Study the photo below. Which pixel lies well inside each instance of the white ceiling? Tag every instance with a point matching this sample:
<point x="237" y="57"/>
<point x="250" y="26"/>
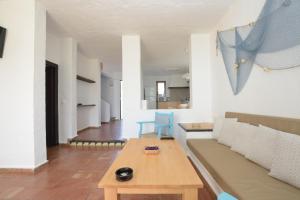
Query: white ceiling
<point x="164" y="27"/>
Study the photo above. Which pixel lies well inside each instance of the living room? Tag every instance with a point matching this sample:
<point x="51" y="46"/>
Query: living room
<point x="230" y="89"/>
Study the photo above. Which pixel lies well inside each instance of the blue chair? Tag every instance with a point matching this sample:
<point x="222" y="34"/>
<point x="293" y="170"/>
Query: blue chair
<point x="163" y="124"/>
<point x="226" y="196"/>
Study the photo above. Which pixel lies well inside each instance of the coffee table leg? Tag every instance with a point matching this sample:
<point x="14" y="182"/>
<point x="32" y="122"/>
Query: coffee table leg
<point x="110" y="194"/>
<point x="190" y="194"/>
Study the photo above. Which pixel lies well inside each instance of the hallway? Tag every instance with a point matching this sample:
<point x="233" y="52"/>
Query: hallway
<point x="107" y="132"/>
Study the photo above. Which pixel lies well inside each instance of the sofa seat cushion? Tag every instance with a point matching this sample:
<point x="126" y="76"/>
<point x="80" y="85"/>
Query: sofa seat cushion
<point x="239" y="176"/>
<point x="286" y="163"/>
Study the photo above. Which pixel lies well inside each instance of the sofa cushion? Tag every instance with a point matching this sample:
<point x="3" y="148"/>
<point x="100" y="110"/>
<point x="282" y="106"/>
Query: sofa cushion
<point x="218" y="123"/>
<point x="239" y="176"/>
<point x="263" y="147"/>
<point x="242" y="141"/>
<point x="228" y="131"/>
<point x="286" y="163"/>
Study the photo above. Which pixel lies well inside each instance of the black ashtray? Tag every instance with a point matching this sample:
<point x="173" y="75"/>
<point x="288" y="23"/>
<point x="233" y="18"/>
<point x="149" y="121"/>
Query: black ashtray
<point x="124" y="174"/>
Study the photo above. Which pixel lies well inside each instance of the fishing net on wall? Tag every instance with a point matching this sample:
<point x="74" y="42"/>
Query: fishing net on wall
<point x="272" y="42"/>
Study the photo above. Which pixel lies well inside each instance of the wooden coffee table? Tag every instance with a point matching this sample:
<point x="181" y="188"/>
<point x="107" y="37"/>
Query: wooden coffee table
<point x="169" y="172"/>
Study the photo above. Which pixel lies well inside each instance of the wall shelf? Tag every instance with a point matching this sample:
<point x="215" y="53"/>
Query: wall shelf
<point x="85" y="105"/>
<point x="81" y="78"/>
<point x="184" y="87"/>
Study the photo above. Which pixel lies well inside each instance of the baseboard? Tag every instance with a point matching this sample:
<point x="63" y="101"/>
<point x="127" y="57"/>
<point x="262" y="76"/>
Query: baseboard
<point x="24" y="170"/>
<point x="83" y="129"/>
<point x="113" y="119"/>
<point x="40" y="166"/>
<point x="16" y="170"/>
<point x="89" y="127"/>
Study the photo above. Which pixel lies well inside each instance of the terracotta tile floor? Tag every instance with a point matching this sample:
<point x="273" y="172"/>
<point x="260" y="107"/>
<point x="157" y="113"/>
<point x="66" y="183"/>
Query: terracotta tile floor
<point x="71" y="174"/>
<point x="110" y="131"/>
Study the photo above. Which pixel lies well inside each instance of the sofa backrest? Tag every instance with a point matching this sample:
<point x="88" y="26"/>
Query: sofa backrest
<point x="288" y="125"/>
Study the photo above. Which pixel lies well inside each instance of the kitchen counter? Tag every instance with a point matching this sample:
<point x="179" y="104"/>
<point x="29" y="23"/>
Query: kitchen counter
<point x="172" y="105"/>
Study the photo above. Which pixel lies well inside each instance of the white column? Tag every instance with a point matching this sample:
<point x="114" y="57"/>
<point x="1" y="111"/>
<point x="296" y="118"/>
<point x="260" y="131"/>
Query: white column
<point x="22" y="78"/>
<point x="131" y="69"/>
<point x="39" y="85"/>
<point x="68" y="88"/>
<point x="200" y="72"/>
<point x="95" y="93"/>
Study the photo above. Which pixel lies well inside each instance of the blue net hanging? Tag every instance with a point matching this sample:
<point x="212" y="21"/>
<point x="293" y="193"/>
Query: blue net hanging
<point x="272" y="42"/>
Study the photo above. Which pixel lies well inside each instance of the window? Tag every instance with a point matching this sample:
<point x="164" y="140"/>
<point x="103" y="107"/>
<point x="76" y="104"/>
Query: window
<point x="160" y="92"/>
<point x="161" y="88"/>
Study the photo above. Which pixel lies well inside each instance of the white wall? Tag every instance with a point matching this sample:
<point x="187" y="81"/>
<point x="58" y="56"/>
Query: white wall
<point x="54" y="44"/>
<point x="105" y="111"/>
<point x="22" y="77"/>
<point x="116" y="111"/>
<point x="88" y="93"/>
<point x="112" y="74"/>
<point x="53" y="47"/>
<point x="131" y="68"/>
<point x="63" y="51"/>
<point x="269" y="93"/>
<point x="68" y="90"/>
<point x="39" y="85"/>
<point x="200" y="75"/>
<point x="200" y="82"/>
<point x="149" y="84"/>
<point x="111" y="93"/>
<point x="172" y="80"/>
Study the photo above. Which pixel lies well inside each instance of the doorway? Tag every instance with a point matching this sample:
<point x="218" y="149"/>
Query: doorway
<point x="51" y="104"/>
<point x="160" y="92"/>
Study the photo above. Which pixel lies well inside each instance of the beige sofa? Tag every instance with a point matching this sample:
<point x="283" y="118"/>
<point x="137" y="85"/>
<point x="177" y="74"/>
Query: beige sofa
<point x="239" y="176"/>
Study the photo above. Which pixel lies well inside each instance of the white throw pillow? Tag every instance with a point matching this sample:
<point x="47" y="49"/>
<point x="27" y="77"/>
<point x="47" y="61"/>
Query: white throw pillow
<point x="228" y="131"/>
<point x="218" y="124"/>
<point x="263" y="146"/>
<point x="242" y="141"/>
<point x="286" y="163"/>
